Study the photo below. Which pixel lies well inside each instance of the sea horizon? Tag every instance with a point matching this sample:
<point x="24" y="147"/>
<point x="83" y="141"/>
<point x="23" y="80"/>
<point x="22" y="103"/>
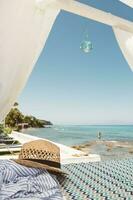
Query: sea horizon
<point x="79" y="134"/>
<point x="69" y="124"/>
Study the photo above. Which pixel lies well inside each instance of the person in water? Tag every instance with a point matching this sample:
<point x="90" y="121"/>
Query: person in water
<point x="99" y="135"/>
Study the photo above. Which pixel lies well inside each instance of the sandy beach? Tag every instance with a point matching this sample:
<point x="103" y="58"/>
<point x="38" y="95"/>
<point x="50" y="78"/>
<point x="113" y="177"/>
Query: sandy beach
<point x="107" y="149"/>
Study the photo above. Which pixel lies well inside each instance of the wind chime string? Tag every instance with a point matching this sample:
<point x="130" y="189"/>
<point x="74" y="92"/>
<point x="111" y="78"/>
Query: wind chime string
<point x="86" y="45"/>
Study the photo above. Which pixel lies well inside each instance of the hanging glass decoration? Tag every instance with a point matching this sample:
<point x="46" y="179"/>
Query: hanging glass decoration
<point x="86" y="45"/>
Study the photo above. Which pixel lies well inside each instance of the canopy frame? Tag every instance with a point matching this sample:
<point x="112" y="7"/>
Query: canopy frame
<point x="95" y="14"/>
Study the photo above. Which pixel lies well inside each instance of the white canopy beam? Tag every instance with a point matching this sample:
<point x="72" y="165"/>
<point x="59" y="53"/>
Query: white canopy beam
<point x="95" y="14"/>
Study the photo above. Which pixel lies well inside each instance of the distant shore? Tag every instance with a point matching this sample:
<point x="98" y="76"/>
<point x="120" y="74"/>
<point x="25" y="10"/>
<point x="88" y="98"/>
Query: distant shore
<point x="107" y="149"/>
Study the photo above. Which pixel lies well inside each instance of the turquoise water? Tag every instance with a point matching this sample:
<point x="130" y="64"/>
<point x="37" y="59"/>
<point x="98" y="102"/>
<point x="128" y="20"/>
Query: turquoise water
<point x="78" y="134"/>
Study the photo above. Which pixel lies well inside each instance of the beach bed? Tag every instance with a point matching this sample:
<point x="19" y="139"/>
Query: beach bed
<point x="89" y="178"/>
<point x="10" y="149"/>
<point x="107" y="180"/>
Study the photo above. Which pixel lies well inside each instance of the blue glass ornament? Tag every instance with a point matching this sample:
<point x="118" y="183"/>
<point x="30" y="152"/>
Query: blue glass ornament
<point x="86" y="45"/>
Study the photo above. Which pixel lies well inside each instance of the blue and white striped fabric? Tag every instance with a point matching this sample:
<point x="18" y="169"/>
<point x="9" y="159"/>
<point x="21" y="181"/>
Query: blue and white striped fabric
<point x="20" y="182"/>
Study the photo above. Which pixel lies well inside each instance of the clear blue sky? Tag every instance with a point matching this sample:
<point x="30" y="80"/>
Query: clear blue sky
<point x="70" y="87"/>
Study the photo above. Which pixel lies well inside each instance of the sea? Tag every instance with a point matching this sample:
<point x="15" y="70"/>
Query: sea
<point x="80" y="134"/>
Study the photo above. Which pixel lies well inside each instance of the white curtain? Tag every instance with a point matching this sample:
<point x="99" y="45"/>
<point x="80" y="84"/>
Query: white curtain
<point x="125" y="41"/>
<point x="24" y="28"/>
<point x="128" y="2"/>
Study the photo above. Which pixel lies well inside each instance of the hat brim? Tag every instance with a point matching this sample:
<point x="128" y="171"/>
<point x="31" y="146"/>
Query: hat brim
<point x="32" y="164"/>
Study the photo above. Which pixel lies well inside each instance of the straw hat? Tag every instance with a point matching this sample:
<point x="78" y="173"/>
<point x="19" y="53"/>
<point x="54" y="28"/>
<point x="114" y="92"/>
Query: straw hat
<point x="40" y="154"/>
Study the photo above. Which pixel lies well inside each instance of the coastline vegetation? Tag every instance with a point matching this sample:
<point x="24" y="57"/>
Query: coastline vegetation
<point x="16" y="120"/>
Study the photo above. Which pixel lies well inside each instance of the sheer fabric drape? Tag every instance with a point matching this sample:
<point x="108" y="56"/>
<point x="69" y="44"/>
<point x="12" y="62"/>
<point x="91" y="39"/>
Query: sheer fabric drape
<point x="24" y="28"/>
<point x="125" y="41"/>
<point x="128" y="2"/>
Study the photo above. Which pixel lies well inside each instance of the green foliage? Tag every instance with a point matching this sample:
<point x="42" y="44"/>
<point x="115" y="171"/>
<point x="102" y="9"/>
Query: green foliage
<point x="13" y="118"/>
<point x="33" y="122"/>
<point x="15" y="104"/>
<point x="1" y="128"/>
<point x="7" y="130"/>
<point x="44" y="122"/>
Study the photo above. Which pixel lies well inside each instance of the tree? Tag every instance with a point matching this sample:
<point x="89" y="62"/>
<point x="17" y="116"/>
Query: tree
<point x="13" y="118"/>
<point x="1" y="128"/>
<point x="33" y="122"/>
<point x="15" y="104"/>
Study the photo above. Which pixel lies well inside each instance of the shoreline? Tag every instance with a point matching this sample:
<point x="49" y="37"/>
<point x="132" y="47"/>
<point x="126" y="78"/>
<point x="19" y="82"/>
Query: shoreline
<point x="107" y="149"/>
<point x="95" y="150"/>
<point x="81" y="135"/>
